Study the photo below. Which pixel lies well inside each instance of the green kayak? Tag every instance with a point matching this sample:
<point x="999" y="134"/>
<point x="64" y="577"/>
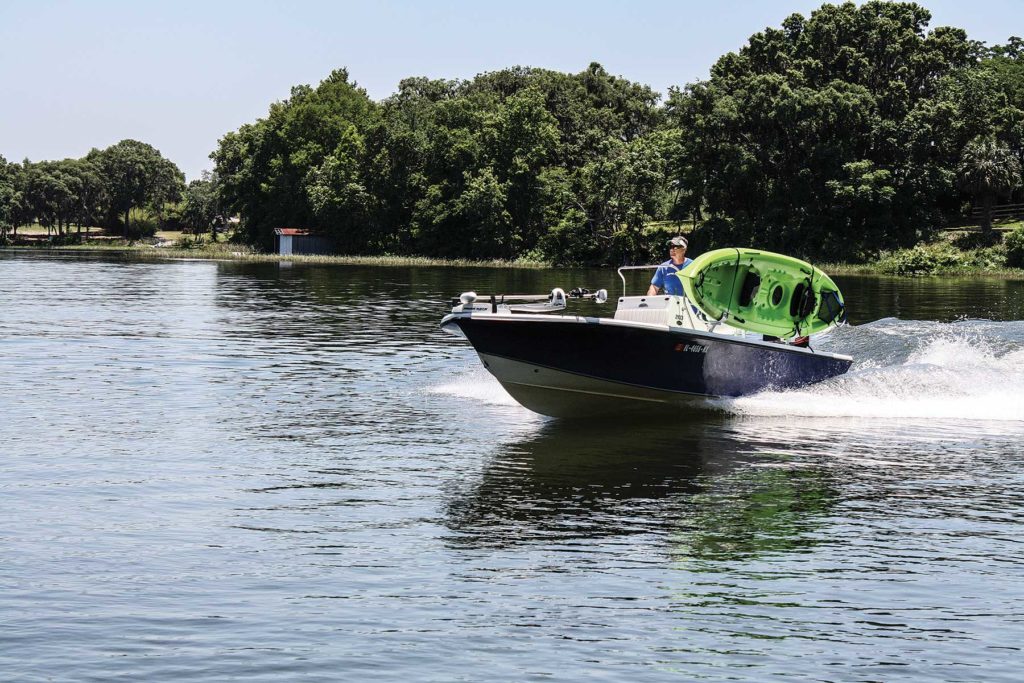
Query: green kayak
<point x="759" y="291"/>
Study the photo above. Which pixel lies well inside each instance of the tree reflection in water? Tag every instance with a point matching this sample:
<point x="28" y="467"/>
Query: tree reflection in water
<point x="693" y="484"/>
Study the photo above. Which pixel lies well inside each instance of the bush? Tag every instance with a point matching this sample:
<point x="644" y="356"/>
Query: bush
<point x="921" y="260"/>
<point x="1015" y="248"/>
<point x="186" y="242"/>
<point x="67" y="239"/>
<point x="990" y="258"/>
<point x="141" y="224"/>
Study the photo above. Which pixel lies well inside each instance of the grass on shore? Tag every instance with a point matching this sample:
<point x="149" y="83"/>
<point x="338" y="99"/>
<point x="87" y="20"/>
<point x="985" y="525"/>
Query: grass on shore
<point x="227" y="251"/>
<point x="880" y="268"/>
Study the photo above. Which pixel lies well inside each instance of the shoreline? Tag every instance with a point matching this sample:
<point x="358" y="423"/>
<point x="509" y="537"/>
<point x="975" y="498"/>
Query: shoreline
<point x="150" y="253"/>
<point x="173" y="254"/>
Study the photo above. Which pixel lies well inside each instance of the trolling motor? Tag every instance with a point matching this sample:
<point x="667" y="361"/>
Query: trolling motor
<point x="600" y="296"/>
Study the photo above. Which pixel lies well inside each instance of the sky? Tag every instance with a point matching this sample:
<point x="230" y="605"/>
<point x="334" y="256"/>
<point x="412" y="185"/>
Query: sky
<point x="78" y="75"/>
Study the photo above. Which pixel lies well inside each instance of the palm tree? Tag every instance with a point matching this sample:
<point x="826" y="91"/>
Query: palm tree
<point x="987" y="169"/>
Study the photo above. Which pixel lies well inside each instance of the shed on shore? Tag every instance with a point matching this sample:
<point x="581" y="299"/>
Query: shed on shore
<point x="288" y="241"/>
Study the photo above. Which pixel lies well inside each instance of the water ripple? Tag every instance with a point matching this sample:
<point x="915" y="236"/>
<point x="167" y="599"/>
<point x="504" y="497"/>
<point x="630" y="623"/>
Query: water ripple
<point x="218" y="470"/>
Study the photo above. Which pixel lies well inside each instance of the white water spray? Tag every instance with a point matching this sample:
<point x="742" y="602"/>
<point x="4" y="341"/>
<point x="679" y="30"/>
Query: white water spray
<point x="478" y="385"/>
<point x="970" y="370"/>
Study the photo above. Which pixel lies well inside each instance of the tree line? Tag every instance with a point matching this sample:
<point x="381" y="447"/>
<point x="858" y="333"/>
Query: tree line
<point x="102" y="189"/>
<point x="838" y="135"/>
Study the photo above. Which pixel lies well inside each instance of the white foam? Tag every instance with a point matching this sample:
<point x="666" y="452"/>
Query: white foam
<point x="962" y="370"/>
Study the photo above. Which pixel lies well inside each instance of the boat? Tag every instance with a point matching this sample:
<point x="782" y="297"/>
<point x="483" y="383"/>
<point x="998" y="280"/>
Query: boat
<point x="656" y="354"/>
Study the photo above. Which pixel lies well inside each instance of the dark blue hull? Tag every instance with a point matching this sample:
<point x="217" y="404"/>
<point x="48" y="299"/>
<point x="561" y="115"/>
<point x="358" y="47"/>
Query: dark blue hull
<point x="598" y="357"/>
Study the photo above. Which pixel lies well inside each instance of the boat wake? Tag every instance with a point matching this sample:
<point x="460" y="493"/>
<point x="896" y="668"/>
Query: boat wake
<point x="969" y="370"/>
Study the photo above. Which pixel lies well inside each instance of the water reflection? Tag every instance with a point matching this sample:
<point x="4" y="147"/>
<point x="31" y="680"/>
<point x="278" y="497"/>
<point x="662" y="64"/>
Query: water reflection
<point x="574" y="481"/>
<point x="424" y="291"/>
<point x="755" y="511"/>
<point x="692" y="482"/>
<point x="932" y="298"/>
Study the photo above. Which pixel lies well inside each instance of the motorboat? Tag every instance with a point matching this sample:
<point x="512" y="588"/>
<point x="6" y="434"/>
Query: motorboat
<point x="656" y="353"/>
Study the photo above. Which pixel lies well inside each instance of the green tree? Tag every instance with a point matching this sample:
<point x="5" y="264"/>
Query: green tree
<point x="1015" y="248"/>
<point x="989" y="168"/>
<point x="337" y="194"/>
<point x="1005" y="66"/>
<point x="282" y="170"/>
<point x="494" y="166"/>
<point x="137" y="175"/>
<point x="611" y="199"/>
<point x="202" y="211"/>
<point x="846" y="111"/>
<point x="91" y="200"/>
<point x="51" y="191"/>
<point x="20" y="208"/>
<point x="478" y="168"/>
<point x="10" y="197"/>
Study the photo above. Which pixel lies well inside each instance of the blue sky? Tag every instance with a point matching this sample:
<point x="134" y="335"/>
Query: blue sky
<point x="77" y="75"/>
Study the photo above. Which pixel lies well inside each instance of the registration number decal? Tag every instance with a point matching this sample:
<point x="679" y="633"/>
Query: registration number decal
<point x="692" y="348"/>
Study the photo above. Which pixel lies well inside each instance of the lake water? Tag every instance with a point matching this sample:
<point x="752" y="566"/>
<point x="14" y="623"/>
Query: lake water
<point x="218" y="471"/>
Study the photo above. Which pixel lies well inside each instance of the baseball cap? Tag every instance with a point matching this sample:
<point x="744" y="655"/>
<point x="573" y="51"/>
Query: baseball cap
<point x="678" y="241"/>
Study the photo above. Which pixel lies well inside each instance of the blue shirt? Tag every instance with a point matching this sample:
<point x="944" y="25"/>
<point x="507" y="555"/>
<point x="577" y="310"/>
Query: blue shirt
<point x="664" y="278"/>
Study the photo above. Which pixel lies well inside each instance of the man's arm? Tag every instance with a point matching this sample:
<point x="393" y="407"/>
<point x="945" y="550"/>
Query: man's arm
<point x="657" y="282"/>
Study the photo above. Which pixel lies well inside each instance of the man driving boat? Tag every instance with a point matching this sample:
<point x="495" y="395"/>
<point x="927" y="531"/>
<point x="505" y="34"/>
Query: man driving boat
<point x="664" y="278"/>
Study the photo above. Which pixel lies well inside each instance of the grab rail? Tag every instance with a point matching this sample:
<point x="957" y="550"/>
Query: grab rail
<point x="623" y="277"/>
